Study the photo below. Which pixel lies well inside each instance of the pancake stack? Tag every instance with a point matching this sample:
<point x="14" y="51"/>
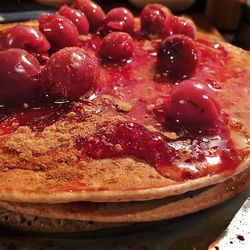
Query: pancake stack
<point x="89" y="216"/>
<point x="47" y="186"/>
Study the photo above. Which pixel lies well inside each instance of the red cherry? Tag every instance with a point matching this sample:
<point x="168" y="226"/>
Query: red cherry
<point x="24" y="37"/>
<point x="192" y="102"/>
<point x="153" y="17"/>
<point x="118" y="19"/>
<point x="19" y="73"/>
<point x="59" y="30"/>
<point x="178" y="25"/>
<point x="117" y="47"/>
<point x="69" y="73"/>
<point x="93" y="12"/>
<point x="77" y="17"/>
<point x="178" y="56"/>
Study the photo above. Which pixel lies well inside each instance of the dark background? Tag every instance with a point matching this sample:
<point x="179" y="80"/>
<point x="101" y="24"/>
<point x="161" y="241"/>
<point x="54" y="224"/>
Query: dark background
<point x="21" y="10"/>
<point x="29" y="5"/>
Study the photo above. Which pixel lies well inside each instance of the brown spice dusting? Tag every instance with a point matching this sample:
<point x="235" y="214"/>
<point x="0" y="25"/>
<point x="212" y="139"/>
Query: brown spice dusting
<point x="152" y="129"/>
<point x="158" y="102"/>
<point x="107" y="99"/>
<point x="171" y="135"/>
<point x="185" y="154"/>
<point x="147" y="45"/>
<point x="122" y="106"/>
<point x="26" y="149"/>
<point x="150" y="107"/>
<point x="63" y="174"/>
<point x="118" y="148"/>
<point x="234" y="124"/>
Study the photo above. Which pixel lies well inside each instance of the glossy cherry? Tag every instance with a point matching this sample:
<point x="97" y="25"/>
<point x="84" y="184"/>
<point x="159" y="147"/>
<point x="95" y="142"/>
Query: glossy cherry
<point x="117" y="47"/>
<point x="69" y="73"/>
<point x="93" y="12"/>
<point x="118" y="19"/>
<point x="24" y="37"/>
<point x="59" y="30"/>
<point x="77" y="17"/>
<point x="153" y="17"/>
<point x="178" y="56"/>
<point x="195" y="103"/>
<point x="20" y="72"/>
<point x="178" y="25"/>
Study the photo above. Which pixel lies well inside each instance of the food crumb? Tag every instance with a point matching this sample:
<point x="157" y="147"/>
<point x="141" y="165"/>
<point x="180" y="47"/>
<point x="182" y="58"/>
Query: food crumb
<point x="240" y="237"/>
<point x="150" y="107"/>
<point x="123" y="106"/>
<point x="25" y="105"/>
<point x="118" y="148"/>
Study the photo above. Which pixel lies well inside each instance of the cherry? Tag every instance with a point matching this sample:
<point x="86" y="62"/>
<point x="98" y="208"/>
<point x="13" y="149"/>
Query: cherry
<point x="118" y="19"/>
<point x="178" y="56"/>
<point x="24" y="37"/>
<point x="93" y="12"/>
<point x="69" y="73"/>
<point x="153" y="17"/>
<point x="117" y="47"/>
<point x="178" y="25"/>
<point x="77" y="17"/>
<point x="193" y="102"/>
<point x="19" y="73"/>
<point x="59" y="30"/>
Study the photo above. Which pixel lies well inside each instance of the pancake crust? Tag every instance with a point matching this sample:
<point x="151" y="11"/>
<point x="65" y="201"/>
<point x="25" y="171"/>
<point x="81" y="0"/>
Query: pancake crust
<point x="166" y="208"/>
<point x="48" y="170"/>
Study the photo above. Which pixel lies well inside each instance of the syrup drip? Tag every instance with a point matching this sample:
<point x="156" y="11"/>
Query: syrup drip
<point x="35" y="118"/>
<point x="187" y="157"/>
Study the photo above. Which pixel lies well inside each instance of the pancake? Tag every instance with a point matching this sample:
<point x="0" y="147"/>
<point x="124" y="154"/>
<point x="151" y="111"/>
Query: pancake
<point x="143" y="211"/>
<point x="45" y="166"/>
<point x="27" y="223"/>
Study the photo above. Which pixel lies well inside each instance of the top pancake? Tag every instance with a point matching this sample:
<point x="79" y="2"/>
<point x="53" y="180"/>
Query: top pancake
<point x="46" y="167"/>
